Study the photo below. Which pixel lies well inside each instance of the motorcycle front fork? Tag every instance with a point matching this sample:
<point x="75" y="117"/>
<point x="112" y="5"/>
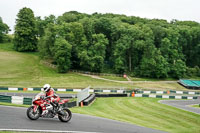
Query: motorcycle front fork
<point x="35" y="108"/>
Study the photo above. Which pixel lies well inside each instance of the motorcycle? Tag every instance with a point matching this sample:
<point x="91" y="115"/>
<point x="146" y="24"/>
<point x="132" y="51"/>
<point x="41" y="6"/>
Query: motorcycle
<point x="42" y="107"/>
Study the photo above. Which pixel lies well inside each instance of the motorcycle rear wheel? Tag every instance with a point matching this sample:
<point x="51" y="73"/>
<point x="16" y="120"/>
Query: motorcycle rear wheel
<point x="67" y="117"/>
<point x="32" y="115"/>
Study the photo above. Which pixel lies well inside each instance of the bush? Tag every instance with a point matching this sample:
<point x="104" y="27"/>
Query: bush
<point x="193" y="72"/>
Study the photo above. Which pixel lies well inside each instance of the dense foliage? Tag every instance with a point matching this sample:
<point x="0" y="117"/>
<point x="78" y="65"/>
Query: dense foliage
<point x="3" y="31"/>
<point x="25" y="31"/>
<point x="120" y="44"/>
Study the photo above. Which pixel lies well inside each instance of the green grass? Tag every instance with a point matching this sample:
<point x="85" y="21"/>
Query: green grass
<point x="151" y="79"/>
<point x="144" y="112"/>
<point x="6" y="47"/>
<point x="114" y="78"/>
<point x="196" y="106"/>
<point x="160" y="86"/>
<point x="11" y="104"/>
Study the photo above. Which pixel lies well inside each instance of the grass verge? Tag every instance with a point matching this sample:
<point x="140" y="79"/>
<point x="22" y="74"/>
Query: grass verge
<point x="196" y="106"/>
<point x="145" y="112"/>
<point x="11" y="104"/>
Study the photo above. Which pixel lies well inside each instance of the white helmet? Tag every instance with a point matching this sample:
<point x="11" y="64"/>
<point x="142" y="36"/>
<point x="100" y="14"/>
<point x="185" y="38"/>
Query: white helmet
<point x="46" y="87"/>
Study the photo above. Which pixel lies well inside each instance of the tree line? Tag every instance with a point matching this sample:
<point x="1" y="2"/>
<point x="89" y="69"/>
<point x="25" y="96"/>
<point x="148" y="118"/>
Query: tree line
<point x="4" y="29"/>
<point x="112" y="43"/>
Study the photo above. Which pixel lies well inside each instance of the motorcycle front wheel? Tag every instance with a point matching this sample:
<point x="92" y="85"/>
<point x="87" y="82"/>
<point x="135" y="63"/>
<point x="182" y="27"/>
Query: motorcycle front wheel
<point x="31" y="114"/>
<point x="67" y="115"/>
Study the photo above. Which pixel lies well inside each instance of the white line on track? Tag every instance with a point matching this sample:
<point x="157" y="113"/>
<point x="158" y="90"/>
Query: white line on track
<point x="50" y="131"/>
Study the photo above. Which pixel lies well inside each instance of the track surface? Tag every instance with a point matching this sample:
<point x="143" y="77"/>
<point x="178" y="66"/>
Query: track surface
<point x="15" y="118"/>
<point x="183" y="104"/>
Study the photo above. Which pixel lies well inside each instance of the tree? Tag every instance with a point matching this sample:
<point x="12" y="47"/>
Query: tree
<point x="47" y="42"/>
<point x="92" y="55"/>
<point x="62" y="54"/>
<point x="129" y="48"/>
<point x="194" y="50"/>
<point x="88" y="27"/>
<point x="25" y="31"/>
<point x="72" y="16"/>
<point x="178" y="69"/>
<point x="41" y="25"/>
<point x="97" y="52"/>
<point x="172" y="52"/>
<point x="124" y="47"/>
<point x="74" y="34"/>
<point x="153" y="64"/>
<point x="117" y="43"/>
<point x="3" y="30"/>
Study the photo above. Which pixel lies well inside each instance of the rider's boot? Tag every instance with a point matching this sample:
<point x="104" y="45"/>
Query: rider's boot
<point x="54" y="107"/>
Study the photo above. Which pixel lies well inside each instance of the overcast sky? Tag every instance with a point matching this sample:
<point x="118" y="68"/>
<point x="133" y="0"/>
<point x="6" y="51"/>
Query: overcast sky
<point x="161" y="9"/>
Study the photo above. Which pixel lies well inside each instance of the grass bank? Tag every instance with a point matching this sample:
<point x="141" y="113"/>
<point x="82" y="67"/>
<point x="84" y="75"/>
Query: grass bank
<point x="145" y="112"/>
<point x="25" y="70"/>
<point x="20" y="69"/>
<point x="11" y="104"/>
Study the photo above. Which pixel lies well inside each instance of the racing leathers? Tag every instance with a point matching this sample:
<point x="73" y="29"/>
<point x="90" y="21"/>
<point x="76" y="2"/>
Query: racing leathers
<point x="53" y="97"/>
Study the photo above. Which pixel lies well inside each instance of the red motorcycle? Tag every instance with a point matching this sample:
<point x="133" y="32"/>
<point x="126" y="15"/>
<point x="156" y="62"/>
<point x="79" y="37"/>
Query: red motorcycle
<point x="42" y="107"/>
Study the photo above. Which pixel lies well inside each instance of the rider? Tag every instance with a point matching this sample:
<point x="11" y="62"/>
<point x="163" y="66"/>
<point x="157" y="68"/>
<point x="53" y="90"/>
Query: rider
<point x="50" y="94"/>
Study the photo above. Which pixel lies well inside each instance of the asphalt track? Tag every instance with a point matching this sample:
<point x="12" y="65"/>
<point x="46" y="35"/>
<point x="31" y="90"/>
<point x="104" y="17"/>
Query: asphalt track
<point x="183" y="104"/>
<point x="15" y="118"/>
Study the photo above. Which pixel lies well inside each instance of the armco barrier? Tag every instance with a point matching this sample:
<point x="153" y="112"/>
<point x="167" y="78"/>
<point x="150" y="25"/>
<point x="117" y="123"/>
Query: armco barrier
<point x="17" y="100"/>
<point x="99" y="90"/>
<point x="110" y="95"/>
<point x="106" y="90"/>
<point x="26" y="101"/>
<point x="169" y="92"/>
<point x="6" y="99"/>
<point x="166" y="96"/>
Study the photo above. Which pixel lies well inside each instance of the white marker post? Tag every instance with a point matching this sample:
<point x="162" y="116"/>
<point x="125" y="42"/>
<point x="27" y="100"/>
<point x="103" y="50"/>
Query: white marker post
<point x="82" y="95"/>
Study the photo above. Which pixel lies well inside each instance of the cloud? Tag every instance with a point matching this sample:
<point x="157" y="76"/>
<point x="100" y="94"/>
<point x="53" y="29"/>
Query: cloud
<point x="163" y="9"/>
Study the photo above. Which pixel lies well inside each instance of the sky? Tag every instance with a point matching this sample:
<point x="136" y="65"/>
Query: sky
<point x="160" y="9"/>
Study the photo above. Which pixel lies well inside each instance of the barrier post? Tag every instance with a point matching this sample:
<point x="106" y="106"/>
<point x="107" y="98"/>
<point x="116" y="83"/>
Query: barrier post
<point x="168" y="92"/>
<point x="133" y="94"/>
<point x="81" y="104"/>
